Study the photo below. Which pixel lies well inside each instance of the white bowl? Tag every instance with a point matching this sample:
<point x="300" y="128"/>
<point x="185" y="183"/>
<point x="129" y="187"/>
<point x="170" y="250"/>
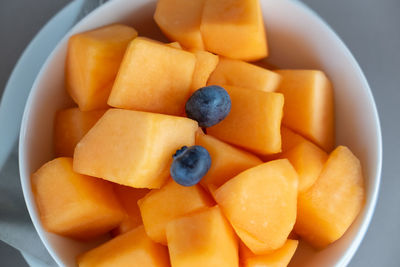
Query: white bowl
<point x="298" y="38"/>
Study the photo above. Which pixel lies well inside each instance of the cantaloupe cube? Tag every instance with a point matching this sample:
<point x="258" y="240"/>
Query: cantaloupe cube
<point x="72" y="204"/>
<point x="153" y="77"/>
<point x="175" y="45"/>
<point x="278" y="258"/>
<point x="226" y="161"/>
<point x="289" y="139"/>
<point x="128" y="198"/>
<point x="261" y="204"/>
<point x="133" y="248"/>
<point x="93" y="60"/>
<point x="205" y="65"/>
<point x="254" y="120"/>
<point x="171" y="201"/>
<point x="133" y="148"/>
<point x="309" y="106"/>
<point x="70" y="126"/>
<point x="243" y="74"/>
<point x="308" y="160"/>
<point x="202" y="239"/>
<point x="180" y="21"/>
<point x="328" y="208"/>
<point x="234" y="29"/>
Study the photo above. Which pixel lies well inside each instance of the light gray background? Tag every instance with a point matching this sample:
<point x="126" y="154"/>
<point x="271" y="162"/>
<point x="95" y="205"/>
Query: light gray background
<point x="370" y="28"/>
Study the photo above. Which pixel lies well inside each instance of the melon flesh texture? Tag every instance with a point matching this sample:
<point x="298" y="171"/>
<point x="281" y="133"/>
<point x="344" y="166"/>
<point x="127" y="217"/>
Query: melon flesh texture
<point x="329" y="207"/>
<point x="180" y="21"/>
<point x="226" y="161"/>
<point x="254" y="121"/>
<point x="308" y="160"/>
<point x="133" y="248"/>
<point x="74" y="205"/>
<point x="128" y="197"/>
<point x="93" y="60"/>
<point x="70" y="126"/>
<point x="133" y="148"/>
<point x="202" y="239"/>
<point x="242" y="74"/>
<point x="205" y="65"/>
<point x="309" y="106"/>
<point x="278" y="258"/>
<point x="175" y="45"/>
<point x="161" y="206"/>
<point x="234" y="29"/>
<point x="260" y="203"/>
<point x="153" y="77"/>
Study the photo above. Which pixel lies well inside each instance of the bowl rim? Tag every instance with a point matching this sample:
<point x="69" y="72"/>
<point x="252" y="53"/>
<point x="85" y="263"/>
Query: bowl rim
<point x="375" y="186"/>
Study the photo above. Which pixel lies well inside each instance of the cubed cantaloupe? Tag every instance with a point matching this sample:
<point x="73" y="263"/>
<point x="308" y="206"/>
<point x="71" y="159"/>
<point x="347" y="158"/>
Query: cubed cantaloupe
<point x="175" y="45"/>
<point x="277" y="258"/>
<point x="308" y="160"/>
<point x="328" y="208"/>
<point x="234" y="29"/>
<point x="180" y="21"/>
<point x="289" y="139"/>
<point x="242" y="74"/>
<point x="205" y="65"/>
<point x="72" y="204"/>
<point x="70" y="126"/>
<point x="153" y="77"/>
<point x="167" y="203"/>
<point x="93" y="60"/>
<point x="128" y="198"/>
<point x="254" y="120"/>
<point x="309" y="106"/>
<point x="133" y="148"/>
<point x="133" y="248"/>
<point x="202" y="239"/>
<point x="226" y="161"/>
<point x="261" y="204"/>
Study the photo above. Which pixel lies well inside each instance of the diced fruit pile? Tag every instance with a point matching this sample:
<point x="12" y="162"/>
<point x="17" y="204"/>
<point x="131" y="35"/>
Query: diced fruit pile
<point x="132" y="160"/>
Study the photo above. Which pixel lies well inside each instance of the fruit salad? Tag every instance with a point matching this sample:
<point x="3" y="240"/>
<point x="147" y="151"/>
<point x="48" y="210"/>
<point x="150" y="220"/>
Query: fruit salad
<point x="189" y="154"/>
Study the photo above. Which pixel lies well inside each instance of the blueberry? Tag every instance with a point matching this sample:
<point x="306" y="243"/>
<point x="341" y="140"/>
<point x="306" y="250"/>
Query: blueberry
<point x="208" y="105"/>
<point x="190" y="164"/>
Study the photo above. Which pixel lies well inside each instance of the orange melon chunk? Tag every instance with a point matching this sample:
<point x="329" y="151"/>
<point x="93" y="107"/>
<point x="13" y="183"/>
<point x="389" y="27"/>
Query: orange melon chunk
<point x="328" y="208"/>
<point x="205" y="65"/>
<point x="133" y="148"/>
<point x="308" y="160"/>
<point x="93" y="60"/>
<point x="153" y="77"/>
<point x="234" y="29"/>
<point x="133" y="248"/>
<point x="202" y="239"/>
<point x="253" y="122"/>
<point x="171" y="201"/>
<point x="180" y="21"/>
<point x="242" y="74"/>
<point x="261" y="204"/>
<point x="128" y="197"/>
<point x="70" y="126"/>
<point x="278" y="258"/>
<point x="309" y="105"/>
<point x="74" y="205"/>
<point x="226" y="161"/>
<point x="175" y="45"/>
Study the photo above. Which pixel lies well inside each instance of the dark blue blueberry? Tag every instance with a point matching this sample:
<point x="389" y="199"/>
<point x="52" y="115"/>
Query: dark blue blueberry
<point x="208" y="105"/>
<point x="190" y="164"/>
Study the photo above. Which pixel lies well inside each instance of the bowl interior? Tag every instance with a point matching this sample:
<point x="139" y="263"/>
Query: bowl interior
<point x="297" y="38"/>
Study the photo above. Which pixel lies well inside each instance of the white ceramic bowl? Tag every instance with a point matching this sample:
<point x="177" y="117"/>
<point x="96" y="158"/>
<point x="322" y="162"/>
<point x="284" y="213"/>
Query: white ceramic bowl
<point x="298" y="38"/>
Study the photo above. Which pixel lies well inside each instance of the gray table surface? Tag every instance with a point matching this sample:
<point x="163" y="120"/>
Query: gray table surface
<point x="370" y="28"/>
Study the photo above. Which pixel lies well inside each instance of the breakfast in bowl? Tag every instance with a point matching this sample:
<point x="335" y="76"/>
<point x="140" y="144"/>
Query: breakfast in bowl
<point x="187" y="154"/>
